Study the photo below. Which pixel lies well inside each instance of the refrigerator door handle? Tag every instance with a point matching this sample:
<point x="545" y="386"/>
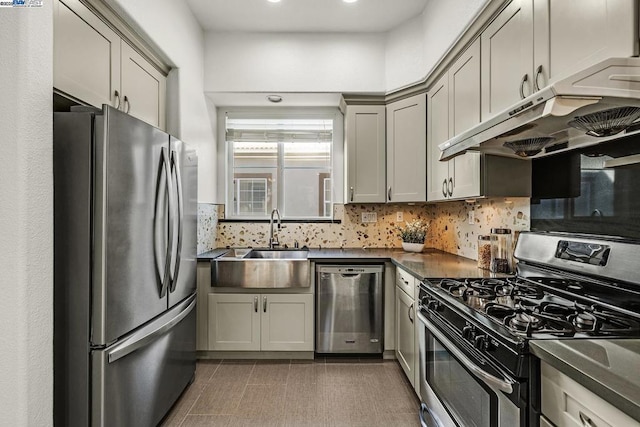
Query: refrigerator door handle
<point x="136" y="343"/>
<point x="165" y="274"/>
<point x="175" y="166"/>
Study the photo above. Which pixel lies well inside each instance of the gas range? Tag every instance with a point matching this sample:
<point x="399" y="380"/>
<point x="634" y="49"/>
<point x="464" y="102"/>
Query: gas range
<point x="565" y="287"/>
<point x="528" y="309"/>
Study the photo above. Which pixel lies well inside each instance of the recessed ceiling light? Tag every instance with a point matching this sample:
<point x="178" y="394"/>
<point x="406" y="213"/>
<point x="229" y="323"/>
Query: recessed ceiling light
<point x="274" y="98"/>
<point x="349" y="1"/>
<point x="274" y="1"/>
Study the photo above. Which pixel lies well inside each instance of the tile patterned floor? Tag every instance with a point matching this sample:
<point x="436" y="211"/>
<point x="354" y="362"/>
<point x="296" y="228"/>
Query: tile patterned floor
<point x="297" y="393"/>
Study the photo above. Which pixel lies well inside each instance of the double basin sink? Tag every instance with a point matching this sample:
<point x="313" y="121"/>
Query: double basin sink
<point x="261" y="268"/>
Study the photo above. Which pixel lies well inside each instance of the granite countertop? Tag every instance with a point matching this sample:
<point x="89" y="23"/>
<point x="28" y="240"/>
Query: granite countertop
<point x="431" y="263"/>
<point x="609" y="368"/>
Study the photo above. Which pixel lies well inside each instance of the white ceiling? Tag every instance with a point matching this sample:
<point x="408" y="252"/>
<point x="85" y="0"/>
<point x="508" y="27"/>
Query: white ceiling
<point x="304" y="15"/>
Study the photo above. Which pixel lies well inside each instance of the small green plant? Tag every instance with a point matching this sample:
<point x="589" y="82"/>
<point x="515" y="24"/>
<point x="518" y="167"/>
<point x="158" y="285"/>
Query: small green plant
<point x="413" y="231"/>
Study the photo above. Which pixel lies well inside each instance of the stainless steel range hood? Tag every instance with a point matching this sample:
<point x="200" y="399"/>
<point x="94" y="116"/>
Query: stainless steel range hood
<point x="605" y="86"/>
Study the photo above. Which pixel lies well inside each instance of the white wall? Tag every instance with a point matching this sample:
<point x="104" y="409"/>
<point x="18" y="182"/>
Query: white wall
<point x="415" y="47"/>
<point x="174" y="29"/>
<point x="294" y="62"/>
<point x="26" y="217"/>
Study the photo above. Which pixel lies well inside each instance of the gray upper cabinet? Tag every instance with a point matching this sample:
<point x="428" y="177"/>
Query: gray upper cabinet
<point x="533" y="43"/>
<point x="507" y="58"/>
<point x="365" y="149"/>
<point x="94" y="65"/>
<point x="453" y="105"/>
<point x="573" y="34"/>
<point x="406" y="150"/>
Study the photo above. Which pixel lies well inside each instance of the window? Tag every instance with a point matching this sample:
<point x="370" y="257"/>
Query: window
<point x="279" y="162"/>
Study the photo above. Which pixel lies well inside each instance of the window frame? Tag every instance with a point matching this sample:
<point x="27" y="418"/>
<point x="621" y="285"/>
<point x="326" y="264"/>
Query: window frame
<point x="225" y="157"/>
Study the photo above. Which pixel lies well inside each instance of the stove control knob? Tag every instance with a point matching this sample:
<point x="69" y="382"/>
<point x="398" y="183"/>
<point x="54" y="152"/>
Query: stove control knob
<point x="481" y="342"/>
<point x="433" y="305"/>
<point x="468" y="332"/>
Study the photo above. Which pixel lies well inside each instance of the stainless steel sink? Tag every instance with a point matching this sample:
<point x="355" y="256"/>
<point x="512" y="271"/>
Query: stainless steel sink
<point x="261" y="268"/>
<point x="277" y="254"/>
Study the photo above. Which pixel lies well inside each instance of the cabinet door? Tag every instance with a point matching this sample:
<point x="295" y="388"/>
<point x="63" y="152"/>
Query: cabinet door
<point x="464" y="113"/>
<point x="507" y="58"/>
<point x="234" y="322"/>
<point x="287" y="322"/>
<point x="437" y="133"/>
<point x="86" y="58"/>
<point x="365" y="130"/>
<point x="407" y="150"/>
<point x="143" y="88"/>
<point x="573" y="34"/>
<point x="405" y="338"/>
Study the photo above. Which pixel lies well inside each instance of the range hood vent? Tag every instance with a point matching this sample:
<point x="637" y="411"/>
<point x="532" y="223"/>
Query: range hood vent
<point x="595" y="105"/>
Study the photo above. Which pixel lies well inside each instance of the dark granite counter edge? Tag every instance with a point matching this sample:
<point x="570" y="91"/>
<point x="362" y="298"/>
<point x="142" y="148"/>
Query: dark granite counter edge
<point x="597" y="386"/>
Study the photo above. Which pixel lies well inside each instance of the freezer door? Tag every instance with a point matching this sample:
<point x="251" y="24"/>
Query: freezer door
<point x="184" y="169"/>
<point x="138" y="379"/>
<point x="131" y="230"/>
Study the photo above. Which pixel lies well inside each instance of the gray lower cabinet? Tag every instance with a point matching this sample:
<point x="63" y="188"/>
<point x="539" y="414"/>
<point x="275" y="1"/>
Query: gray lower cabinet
<point x="566" y="403"/>
<point x="260" y="322"/>
<point x="406" y="348"/>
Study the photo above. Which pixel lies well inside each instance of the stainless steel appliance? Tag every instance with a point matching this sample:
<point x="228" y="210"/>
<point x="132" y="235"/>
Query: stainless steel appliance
<point x="349" y="309"/>
<point x="125" y="259"/>
<point x="475" y="365"/>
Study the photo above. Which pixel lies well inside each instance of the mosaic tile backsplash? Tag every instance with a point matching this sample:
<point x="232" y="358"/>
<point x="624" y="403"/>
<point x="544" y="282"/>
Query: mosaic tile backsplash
<point x="207" y="223"/>
<point x="450" y="229"/>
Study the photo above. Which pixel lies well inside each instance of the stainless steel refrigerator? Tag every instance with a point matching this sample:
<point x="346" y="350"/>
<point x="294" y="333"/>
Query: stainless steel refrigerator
<point x="125" y="213"/>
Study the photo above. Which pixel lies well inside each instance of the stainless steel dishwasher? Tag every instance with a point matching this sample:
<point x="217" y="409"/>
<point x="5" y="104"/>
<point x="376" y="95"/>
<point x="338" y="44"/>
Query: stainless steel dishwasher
<point x="349" y="309"/>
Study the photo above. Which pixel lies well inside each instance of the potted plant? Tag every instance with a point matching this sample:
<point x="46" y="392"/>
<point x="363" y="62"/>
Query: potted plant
<point x="413" y="235"/>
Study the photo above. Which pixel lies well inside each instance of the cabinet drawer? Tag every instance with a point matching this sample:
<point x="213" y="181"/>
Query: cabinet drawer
<point x="565" y="402"/>
<point x="405" y="281"/>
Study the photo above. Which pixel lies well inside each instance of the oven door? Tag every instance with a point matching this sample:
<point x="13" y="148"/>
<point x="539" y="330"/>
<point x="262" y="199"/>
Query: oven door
<point x="458" y="390"/>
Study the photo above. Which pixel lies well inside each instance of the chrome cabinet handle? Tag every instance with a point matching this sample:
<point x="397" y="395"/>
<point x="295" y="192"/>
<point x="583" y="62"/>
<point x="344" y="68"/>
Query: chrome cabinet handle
<point x="444" y="187"/>
<point x="116" y="94"/>
<point x="450" y="187"/>
<point x="535" y="79"/>
<point x="264" y="304"/>
<point x="585" y="420"/>
<point x="410" y="310"/>
<point x="351" y="192"/>
<point x="389" y="193"/>
<point x="126" y="104"/>
<point x="255" y="304"/>
<point x="525" y="78"/>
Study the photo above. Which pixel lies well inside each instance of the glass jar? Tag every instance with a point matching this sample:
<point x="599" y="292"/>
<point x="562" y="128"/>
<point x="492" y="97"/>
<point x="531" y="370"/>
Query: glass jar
<point x="501" y="247"/>
<point x="484" y="252"/>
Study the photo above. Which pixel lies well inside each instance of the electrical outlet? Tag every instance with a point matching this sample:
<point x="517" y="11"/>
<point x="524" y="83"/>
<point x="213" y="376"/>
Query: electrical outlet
<point x="368" y="217"/>
<point x="472" y="216"/>
<point x="399" y="216"/>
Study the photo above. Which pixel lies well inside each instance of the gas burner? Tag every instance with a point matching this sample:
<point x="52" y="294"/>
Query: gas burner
<point x="454" y="287"/>
<point x="499" y="311"/>
<point x="524" y="322"/>
<point x="584" y="321"/>
<point x="556" y="309"/>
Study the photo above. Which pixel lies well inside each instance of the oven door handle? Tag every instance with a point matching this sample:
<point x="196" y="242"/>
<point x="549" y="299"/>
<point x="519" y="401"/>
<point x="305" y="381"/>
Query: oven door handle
<point x="426" y="417"/>
<point x="504" y="385"/>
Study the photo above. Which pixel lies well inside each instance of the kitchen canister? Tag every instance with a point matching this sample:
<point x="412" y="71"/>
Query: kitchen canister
<point x="501" y="247"/>
<point x="484" y="252"/>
